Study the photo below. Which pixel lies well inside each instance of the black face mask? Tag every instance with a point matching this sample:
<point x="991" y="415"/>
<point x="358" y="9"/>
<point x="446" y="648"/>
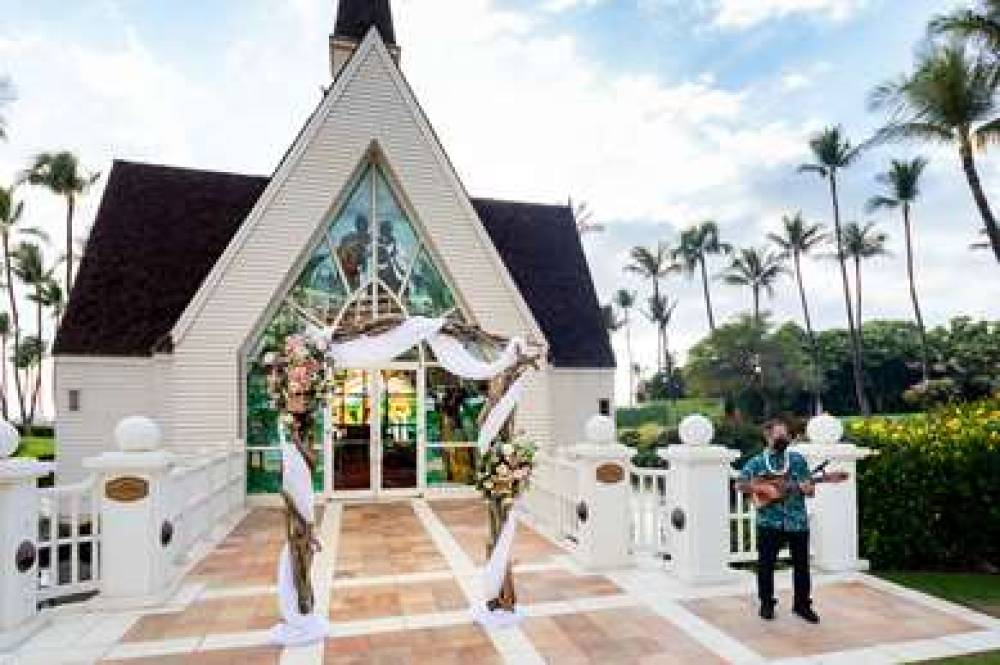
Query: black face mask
<point x="780" y="444"/>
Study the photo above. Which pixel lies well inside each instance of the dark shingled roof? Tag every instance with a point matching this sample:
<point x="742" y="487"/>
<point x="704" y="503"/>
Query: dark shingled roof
<point x="356" y="17"/>
<point x="160" y="230"/>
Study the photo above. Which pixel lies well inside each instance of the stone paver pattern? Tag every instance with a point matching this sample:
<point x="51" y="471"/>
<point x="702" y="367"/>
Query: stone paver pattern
<point x="401" y="589"/>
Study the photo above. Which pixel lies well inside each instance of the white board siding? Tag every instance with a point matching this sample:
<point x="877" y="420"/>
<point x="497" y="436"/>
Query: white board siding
<point x="576" y="396"/>
<point x="110" y="389"/>
<point x="206" y="374"/>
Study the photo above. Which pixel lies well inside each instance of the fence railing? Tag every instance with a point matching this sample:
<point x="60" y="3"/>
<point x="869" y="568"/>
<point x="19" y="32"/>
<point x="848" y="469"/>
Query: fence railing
<point x="68" y="541"/>
<point x="554" y="495"/>
<point x="203" y="488"/>
<point x="649" y="506"/>
<point x="742" y="534"/>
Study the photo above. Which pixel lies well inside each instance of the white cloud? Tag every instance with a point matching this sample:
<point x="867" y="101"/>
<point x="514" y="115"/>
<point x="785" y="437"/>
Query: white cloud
<point x="739" y="14"/>
<point x="555" y="6"/>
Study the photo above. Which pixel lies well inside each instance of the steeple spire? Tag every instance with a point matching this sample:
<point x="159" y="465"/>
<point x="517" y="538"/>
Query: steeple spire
<point x="354" y="19"/>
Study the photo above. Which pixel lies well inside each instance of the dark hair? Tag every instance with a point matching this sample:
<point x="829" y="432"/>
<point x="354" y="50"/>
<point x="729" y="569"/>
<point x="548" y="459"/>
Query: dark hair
<point x="772" y="423"/>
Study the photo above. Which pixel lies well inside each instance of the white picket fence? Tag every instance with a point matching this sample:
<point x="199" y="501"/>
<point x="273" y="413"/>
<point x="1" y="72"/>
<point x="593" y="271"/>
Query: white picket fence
<point x="203" y="488"/>
<point x="649" y="501"/>
<point x="68" y="541"/>
<point x="554" y="495"/>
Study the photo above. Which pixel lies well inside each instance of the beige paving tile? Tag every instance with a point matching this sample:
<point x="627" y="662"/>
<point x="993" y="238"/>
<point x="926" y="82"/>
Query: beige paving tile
<point x="251" y="656"/>
<point x="452" y="645"/>
<point x="854" y="615"/>
<point x="466" y="520"/>
<point x="214" y="616"/>
<point x="384" y="539"/>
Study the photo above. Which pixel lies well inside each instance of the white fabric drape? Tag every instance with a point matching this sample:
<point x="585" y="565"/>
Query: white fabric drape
<point x="493" y="574"/>
<point x="373" y="350"/>
<point x="496" y="418"/>
<point x="455" y="358"/>
<point x="295" y="628"/>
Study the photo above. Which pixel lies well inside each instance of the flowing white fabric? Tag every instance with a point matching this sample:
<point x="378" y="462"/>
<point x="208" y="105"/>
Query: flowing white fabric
<point x="494" y="571"/>
<point x="295" y="478"/>
<point x="496" y="418"/>
<point x="373" y="350"/>
<point x="295" y="629"/>
<point x="455" y="358"/>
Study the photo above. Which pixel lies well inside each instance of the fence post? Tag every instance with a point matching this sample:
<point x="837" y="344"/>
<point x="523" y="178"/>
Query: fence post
<point x="19" y="511"/>
<point x="603" y="508"/>
<point x="135" y="531"/>
<point x="699" y="509"/>
<point x="834" y="509"/>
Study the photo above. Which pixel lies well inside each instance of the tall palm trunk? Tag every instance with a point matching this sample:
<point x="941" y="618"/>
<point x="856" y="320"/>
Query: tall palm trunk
<point x="818" y="393"/>
<point x="756" y="304"/>
<point x="37" y="384"/>
<point x="16" y="325"/>
<point x="628" y="350"/>
<point x="3" y="378"/>
<point x="859" y="380"/>
<point x="969" y="166"/>
<point x="708" y="295"/>
<point x="70" y="206"/>
<point x="924" y="360"/>
<point x="857" y="291"/>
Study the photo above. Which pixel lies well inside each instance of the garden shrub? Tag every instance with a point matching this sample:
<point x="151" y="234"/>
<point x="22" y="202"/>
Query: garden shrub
<point x="931" y="498"/>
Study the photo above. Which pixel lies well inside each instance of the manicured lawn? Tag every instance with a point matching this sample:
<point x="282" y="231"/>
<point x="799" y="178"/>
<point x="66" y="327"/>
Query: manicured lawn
<point x="978" y="591"/>
<point x="36" y="446"/>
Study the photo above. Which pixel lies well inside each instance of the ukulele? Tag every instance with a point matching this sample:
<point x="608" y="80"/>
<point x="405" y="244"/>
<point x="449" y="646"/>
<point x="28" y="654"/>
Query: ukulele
<point x="774" y="488"/>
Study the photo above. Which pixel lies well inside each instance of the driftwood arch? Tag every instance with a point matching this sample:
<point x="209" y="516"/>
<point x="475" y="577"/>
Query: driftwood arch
<point x="297" y="381"/>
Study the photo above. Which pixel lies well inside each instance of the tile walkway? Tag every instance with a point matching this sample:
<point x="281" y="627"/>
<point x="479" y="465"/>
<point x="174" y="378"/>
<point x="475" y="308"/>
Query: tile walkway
<point x="396" y="580"/>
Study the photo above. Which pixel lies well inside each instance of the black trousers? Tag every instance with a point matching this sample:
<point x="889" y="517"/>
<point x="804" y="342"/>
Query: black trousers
<point x="769" y="542"/>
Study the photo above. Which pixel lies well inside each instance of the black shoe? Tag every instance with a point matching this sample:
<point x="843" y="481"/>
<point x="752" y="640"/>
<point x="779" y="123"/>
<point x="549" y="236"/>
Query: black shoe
<point x="807" y="613"/>
<point x="767" y="611"/>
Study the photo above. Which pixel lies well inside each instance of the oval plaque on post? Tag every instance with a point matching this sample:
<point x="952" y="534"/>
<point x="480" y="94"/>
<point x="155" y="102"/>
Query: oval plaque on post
<point x="126" y="489"/>
<point x="610" y="474"/>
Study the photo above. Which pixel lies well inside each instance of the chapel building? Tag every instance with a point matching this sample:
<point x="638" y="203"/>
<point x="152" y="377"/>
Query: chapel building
<point x="190" y="277"/>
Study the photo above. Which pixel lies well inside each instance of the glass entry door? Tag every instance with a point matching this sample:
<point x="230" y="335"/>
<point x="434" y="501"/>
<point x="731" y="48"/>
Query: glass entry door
<point x="398" y="428"/>
<point x="350" y="430"/>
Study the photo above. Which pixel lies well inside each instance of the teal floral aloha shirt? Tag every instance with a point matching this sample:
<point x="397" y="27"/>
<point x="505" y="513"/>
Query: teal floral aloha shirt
<point x="790" y="514"/>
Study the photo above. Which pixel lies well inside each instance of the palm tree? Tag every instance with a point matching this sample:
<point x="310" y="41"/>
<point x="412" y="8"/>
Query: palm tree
<point x="902" y="184"/>
<point x="757" y="268"/>
<point x="696" y="244"/>
<point x="10" y="215"/>
<point x="661" y="312"/>
<point x="949" y="98"/>
<point x="625" y="300"/>
<point x="655" y="265"/>
<point x="833" y="152"/>
<point x="610" y="317"/>
<point x="61" y="174"/>
<point x="797" y="239"/>
<point x="29" y="267"/>
<point x="4" y="336"/>
<point x="861" y="243"/>
<point x="6" y="96"/>
<point x="981" y="25"/>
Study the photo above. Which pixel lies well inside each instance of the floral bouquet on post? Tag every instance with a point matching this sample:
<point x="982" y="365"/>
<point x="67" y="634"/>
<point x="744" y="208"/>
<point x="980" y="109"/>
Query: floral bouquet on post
<point x="503" y="475"/>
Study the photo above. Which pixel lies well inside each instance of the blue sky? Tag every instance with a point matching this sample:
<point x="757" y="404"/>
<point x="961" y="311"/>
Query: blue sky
<point x="658" y="113"/>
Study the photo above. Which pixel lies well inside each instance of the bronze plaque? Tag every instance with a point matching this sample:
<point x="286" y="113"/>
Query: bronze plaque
<point x="610" y="474"/>
<point x="126" y="489"/>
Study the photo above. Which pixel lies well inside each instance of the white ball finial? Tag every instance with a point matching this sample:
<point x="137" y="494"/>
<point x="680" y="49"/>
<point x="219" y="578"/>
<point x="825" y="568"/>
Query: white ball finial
<point x="696" y="430"/>
<point x="10" y="439"/>
<point x="137" y="434"/>
<point x="825" y="429"/>
<point x="600" y="430"/>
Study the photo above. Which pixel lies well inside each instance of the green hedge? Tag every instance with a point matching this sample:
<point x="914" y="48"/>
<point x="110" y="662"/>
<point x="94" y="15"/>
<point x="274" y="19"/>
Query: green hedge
<point x="668" y="413"/>
<point x="931" y="498"/>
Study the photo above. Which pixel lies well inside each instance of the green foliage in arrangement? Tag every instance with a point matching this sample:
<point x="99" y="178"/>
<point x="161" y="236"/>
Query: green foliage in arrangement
<point x="930" y="499"/>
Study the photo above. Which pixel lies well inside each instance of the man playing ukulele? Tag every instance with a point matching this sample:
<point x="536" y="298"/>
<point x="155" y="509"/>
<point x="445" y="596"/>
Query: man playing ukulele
<point x="779" y="481"/>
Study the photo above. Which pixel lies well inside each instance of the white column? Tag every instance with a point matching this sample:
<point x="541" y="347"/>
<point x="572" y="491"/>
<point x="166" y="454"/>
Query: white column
<point x="834" y="510"/>
<point x="19" y="513"/>
<point x="133" y="494"/>
<point x="602" y="465"/>
<point x="699" y="511"/>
